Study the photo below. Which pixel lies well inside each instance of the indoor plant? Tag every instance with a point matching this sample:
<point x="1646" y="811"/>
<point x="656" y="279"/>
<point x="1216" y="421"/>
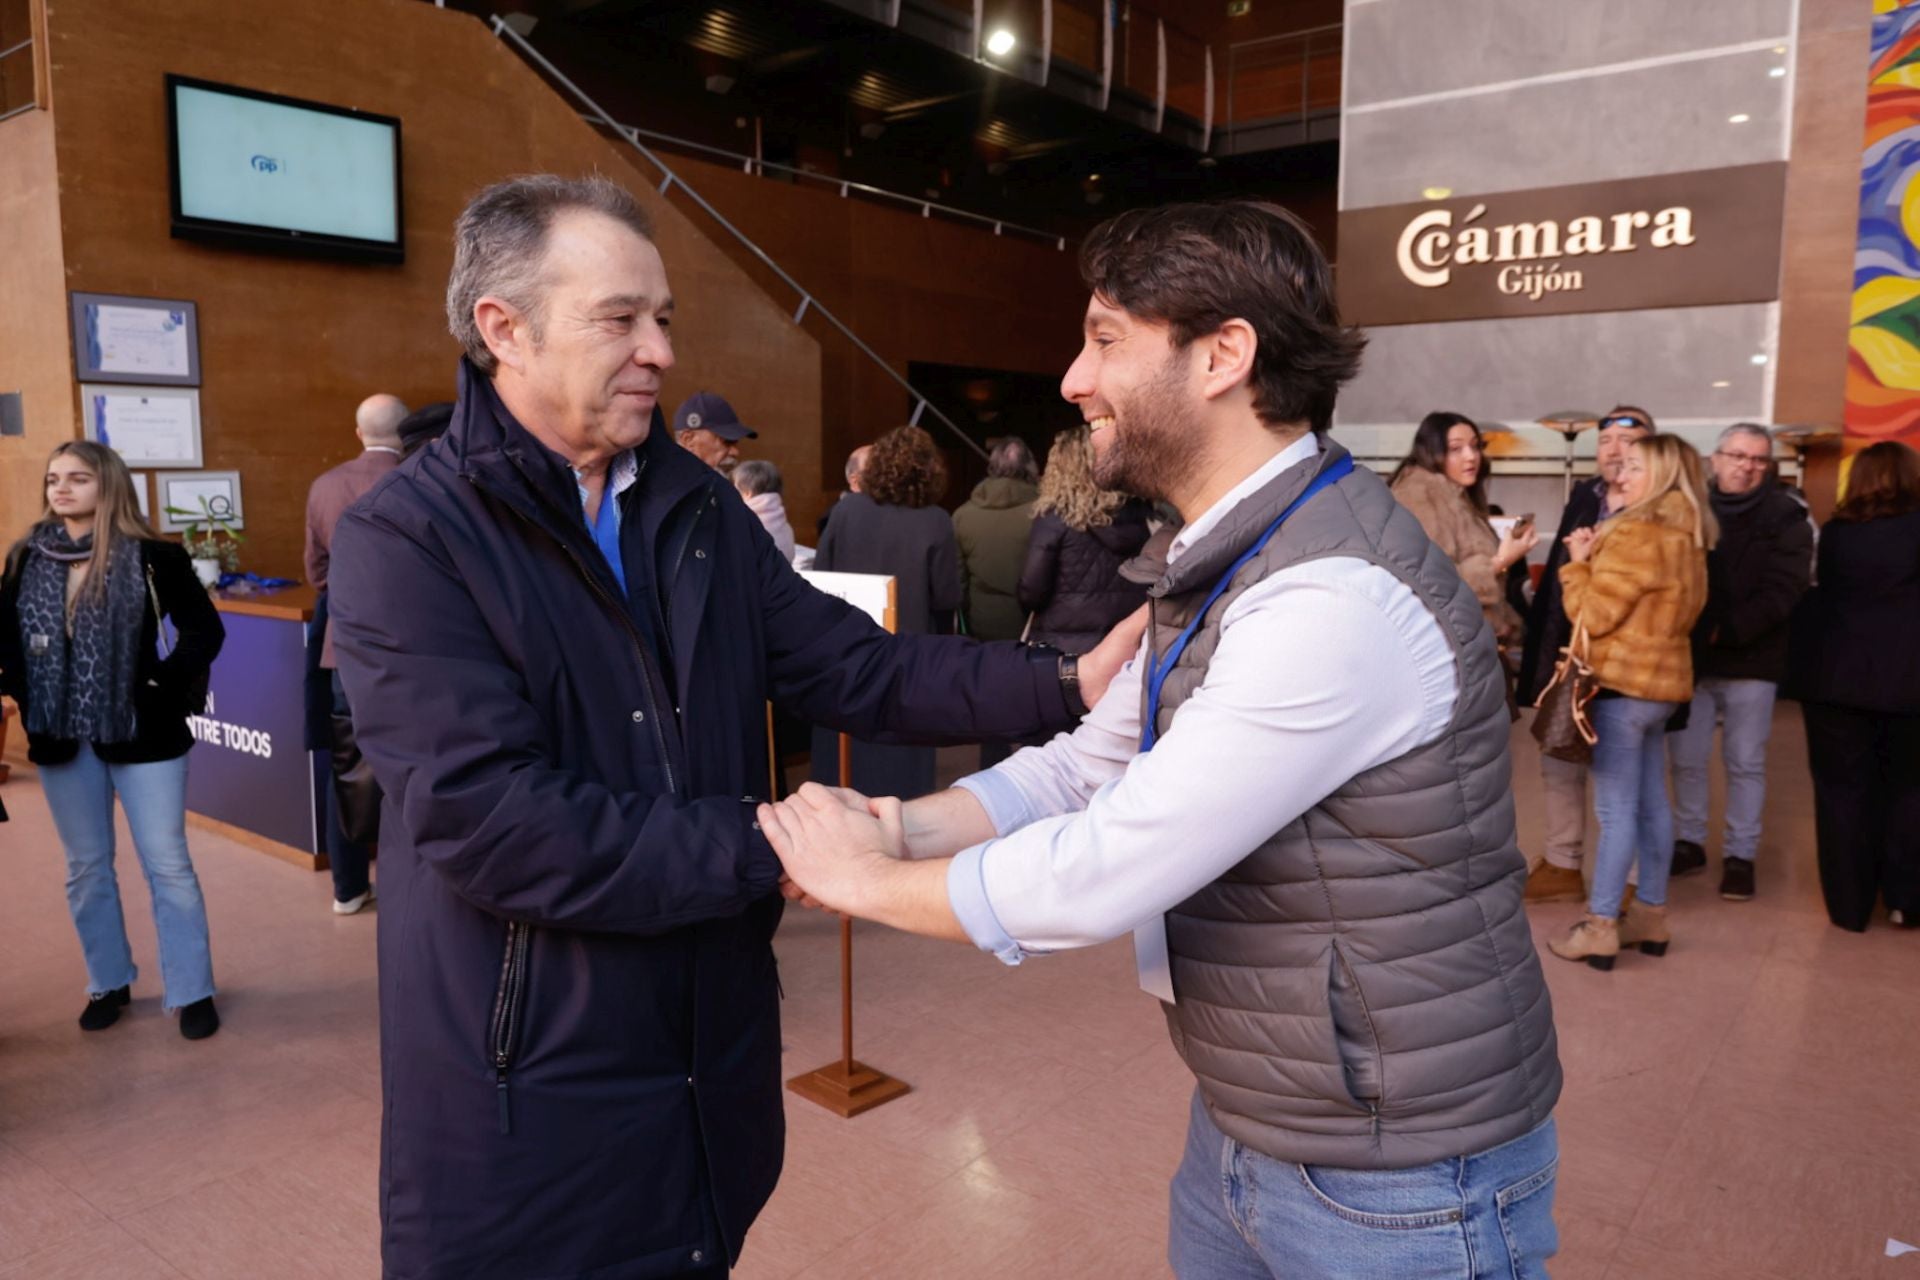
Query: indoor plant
<point x="211" y="540"/>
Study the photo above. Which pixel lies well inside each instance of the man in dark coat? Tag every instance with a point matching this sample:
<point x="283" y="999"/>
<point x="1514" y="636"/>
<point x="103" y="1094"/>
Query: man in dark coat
<point x="1557" y="878"/>
<point x="1756" y="574"/>
<point x="559" y="633"/>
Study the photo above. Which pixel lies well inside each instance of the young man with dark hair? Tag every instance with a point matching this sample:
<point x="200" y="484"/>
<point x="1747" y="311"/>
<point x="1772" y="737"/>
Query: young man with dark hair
<point x="1298" y="798"/>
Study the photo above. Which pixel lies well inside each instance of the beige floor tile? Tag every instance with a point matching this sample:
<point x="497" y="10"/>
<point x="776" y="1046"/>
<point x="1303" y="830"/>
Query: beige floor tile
<point x="974" y="1227"/>
<point x="107" y="1253"/>
<point x="1742" y="1107"/>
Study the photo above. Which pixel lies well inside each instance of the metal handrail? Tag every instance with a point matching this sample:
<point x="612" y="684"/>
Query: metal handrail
<point x="1305" y="38"/>
<point x="926" y="207"/>
<point x="33" y="101"/>
<point x="671" y="180"/>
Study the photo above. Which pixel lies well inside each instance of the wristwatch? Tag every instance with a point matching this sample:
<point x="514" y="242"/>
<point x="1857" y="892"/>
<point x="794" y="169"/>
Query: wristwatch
<point x="1070" y="684"/>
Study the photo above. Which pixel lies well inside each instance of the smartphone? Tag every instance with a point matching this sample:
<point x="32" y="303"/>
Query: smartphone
<point x="1523" y="524"/>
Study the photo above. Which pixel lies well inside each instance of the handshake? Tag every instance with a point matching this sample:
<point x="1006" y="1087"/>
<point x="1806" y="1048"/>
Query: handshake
<point x="838" y="848"/>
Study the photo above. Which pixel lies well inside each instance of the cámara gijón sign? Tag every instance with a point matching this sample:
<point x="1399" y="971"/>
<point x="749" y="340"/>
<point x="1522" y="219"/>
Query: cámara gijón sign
<point x="1674" y="240"/>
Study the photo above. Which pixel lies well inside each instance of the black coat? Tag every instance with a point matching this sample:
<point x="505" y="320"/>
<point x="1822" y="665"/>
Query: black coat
<point x="1855" y="638"/>
<point x="1072" y="582"/>
<point x="1548" y="627"/>
<point x="580" y="1034"/>
<point x="1756" y="574"/>
<point x="914" y="545"/>
<point x="165" y="690"/>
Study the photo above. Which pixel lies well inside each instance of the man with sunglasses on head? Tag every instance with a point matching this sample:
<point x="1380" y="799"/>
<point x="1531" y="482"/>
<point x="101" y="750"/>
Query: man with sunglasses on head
<point x="1557" y="878"/>
<point x="1756" y="573"/>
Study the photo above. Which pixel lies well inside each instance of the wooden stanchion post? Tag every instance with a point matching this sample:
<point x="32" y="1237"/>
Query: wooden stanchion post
<point x="847" y="1087"/>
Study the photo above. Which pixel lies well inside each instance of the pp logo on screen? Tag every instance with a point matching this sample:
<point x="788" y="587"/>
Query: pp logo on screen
<point x="265" y="164"/>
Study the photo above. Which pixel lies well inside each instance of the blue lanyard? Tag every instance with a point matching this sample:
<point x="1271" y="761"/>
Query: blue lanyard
<point x="1157" y="672"/>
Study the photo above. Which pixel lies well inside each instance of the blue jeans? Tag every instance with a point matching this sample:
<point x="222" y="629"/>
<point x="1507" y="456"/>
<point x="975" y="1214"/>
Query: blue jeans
<point x="1630" y="800"/>
<point x="1239" y="1215"/>
<point x="1744" y="709"/>
<point x="80" y="793"/>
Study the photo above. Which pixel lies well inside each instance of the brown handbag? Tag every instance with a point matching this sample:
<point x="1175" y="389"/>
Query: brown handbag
<point x="1561" y="724"/>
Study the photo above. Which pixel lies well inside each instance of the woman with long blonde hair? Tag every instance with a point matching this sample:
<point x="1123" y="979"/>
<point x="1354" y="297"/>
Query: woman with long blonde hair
<point x="105" y="698"/>
<point x="1082" y="534"/>
<point x="1635" y="586"/>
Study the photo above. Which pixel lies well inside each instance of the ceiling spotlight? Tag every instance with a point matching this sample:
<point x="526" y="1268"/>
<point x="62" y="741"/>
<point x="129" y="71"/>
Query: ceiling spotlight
<point x="1722" y="383"/>
<point x="1000" y="43"/>
<point x="1436" y="193"/>
<point x="1740" y="118"/>
<point x="1093" y="177"/>
<point x="1208" y="162"/>
<point x="1779" y="48"/>
<point x="1759" y="359"/>
<point x="1777" y="72"/>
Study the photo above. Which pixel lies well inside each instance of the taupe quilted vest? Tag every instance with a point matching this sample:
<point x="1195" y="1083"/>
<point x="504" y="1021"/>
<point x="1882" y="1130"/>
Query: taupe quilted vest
<point x="1362" y="991"/>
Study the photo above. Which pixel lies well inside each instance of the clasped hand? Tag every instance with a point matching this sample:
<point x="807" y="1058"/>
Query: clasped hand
<point x="835" y="845"/>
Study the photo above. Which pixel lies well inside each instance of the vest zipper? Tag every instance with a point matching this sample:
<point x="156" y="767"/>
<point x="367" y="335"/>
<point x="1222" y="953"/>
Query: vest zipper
<point x="509" y="999"/>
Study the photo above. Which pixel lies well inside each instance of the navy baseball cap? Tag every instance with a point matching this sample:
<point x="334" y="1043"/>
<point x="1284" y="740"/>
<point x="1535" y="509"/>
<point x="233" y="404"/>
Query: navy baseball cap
<point x="705" y="411"/>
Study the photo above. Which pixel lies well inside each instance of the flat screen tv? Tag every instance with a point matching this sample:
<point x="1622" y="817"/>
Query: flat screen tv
<point x="261" y="171"/>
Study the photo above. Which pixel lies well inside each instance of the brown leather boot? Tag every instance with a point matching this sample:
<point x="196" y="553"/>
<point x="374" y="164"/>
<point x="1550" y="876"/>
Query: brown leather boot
<point x="1549" y="883"/>
<point x="1595" y="939"/>
<point x="1645" y="927"/>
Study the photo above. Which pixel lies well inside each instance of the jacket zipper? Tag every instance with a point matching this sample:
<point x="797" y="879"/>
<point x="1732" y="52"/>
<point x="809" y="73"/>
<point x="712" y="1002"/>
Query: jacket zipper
<point x="510" y="994"/>
<point x="509" y="997"/>
<point x="639" y="645"/>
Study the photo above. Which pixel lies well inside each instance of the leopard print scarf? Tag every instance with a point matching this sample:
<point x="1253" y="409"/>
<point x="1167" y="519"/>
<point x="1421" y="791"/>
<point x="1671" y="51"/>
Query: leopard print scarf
<point x="80" y="666"/>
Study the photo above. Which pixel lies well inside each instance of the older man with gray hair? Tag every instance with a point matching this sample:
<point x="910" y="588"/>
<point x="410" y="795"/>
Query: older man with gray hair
<point x="559" y="633"/>
<point x="1755" y="576"/>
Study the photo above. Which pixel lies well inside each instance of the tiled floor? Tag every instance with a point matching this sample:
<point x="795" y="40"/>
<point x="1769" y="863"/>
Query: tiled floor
<point x="1747" y="1107"/>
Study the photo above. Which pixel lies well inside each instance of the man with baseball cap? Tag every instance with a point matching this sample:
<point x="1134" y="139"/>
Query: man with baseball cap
<point x="707" y="427"/>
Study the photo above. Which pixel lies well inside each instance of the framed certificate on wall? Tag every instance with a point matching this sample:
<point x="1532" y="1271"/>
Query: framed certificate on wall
<point x="149" y="341"/>
<point x="147" y="426"/>
<point x="216" y="493"/>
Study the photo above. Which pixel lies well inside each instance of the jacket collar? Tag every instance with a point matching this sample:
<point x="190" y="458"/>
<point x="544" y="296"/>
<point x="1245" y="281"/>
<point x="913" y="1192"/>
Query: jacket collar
<point x="490" y="446"/>
<point x="1202" y="563"/>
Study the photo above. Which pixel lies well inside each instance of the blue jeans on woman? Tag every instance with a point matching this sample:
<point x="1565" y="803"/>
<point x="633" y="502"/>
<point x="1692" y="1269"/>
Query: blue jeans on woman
<point x="1630" y="800"/>
<point x="1240" y="1215"/>
<point x="80" y="793"/>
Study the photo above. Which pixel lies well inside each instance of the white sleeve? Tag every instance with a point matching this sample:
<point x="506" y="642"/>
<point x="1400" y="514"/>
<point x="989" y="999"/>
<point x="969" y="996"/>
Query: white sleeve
<point x="1322" y="677"/>
<point x="1062" y="776"/>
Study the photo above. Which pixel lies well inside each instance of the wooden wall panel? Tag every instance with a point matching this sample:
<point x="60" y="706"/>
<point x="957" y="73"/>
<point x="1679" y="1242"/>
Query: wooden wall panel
<point x="35" y="355"/>
<point x="1821" y="223"/>
<point x="914" y="288"/>
<point x="289" y="346"/>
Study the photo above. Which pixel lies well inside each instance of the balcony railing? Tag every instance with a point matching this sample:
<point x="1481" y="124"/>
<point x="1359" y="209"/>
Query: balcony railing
<point x="24" y="83"/>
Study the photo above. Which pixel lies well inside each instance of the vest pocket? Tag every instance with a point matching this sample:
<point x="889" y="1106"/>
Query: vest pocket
<point x="1353" y="1033"/>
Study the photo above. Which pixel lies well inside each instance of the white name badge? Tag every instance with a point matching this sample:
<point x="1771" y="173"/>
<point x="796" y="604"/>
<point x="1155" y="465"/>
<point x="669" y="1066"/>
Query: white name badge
<point x="1151" y="960"/>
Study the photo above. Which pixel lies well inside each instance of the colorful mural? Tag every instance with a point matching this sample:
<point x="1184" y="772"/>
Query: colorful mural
<point x="1883" y="348"/>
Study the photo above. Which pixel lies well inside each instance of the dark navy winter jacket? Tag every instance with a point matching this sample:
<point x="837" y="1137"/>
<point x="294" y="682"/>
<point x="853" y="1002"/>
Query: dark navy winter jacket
<point x="580" y="1039"/>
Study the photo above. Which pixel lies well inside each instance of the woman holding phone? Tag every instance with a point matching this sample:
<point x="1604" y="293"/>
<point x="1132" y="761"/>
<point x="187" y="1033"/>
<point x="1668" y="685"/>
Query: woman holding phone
<point x="104" y="698"/>
<point x="1443" y="482"/>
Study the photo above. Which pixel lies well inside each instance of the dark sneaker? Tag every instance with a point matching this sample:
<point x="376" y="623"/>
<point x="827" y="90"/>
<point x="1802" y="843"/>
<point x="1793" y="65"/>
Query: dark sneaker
<point x="199" y="1019"/>
<point x="1736" y="880"/>
<point x="103" y="1010"/>
<point x="1688" y="858"/>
